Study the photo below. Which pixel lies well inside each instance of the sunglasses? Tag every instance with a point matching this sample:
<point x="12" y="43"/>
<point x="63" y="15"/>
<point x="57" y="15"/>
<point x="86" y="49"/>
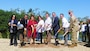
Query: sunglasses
<point x="69" y="13"/>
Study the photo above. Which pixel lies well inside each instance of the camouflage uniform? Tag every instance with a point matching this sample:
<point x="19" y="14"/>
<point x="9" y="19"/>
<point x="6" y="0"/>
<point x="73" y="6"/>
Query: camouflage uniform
<point x="74" y="26"/>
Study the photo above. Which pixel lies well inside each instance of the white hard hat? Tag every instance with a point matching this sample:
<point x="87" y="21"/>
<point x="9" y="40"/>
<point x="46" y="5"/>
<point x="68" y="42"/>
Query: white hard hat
<point x="20" y="26"/>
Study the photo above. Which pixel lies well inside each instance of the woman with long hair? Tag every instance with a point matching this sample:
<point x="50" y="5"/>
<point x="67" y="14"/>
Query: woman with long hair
<point x="31" y="28"/>
<point x="13" y="30"/>
<point x="40" y="28"/>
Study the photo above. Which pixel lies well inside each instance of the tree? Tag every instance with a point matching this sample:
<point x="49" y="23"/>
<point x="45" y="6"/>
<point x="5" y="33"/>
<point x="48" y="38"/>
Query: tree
<point x="4" y="18"/>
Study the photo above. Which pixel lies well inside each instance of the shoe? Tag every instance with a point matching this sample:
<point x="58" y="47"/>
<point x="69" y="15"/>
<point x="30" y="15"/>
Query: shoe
<point x="22" y="44"/>
<point x="87" y="45"/>
<point x="28" y="43"/>
<point x="46" y="43"/>
<point x="37" y="40"/>
<point x="56" y="43"/>
<point x="11" y="44"/>
<point x="33" y="43"/>
<point x="15" y="44"/>
<point x="75" y="44"/>
<point x="84" y="41"/>
<point x="71" y="46"/>
<point x="66" y="45"/>
<point x="41" y="43"/>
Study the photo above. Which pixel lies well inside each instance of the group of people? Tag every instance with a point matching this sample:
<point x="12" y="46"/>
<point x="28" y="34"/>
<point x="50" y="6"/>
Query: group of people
<point x="32" y="29"/>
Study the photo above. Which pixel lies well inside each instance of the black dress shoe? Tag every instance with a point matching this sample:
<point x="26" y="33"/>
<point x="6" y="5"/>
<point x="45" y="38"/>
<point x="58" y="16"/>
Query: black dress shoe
<point x="22" y="44"/>
<point x="84" y="41"/>
<point x="28" y="43"/>
<point x="56" y="43"/>
<point x="11" y="44"/>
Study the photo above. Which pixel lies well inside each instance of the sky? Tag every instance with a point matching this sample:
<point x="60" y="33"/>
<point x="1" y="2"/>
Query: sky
<point x="81" y="8"/>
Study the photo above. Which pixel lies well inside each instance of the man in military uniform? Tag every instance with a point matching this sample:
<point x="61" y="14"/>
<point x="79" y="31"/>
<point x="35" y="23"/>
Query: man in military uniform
<point x="74" y="27"/>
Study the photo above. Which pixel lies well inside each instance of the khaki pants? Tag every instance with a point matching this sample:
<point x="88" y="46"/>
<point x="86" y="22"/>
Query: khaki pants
<point x="48" y="36"/>
<point x="21" y="38"/>
<point x="77" y="35"/>
<point x="25" y="35"/>
<point x="21" y="35"/>
<point x="74" y="37"/>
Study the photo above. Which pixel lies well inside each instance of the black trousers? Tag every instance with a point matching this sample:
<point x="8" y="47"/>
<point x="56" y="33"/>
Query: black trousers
<point x="13" y="38"/>
<point x="40" y="37"/>
<point x="56" y="35"/>
<point x="56" y="39"/>
<point x="88" y="35"/>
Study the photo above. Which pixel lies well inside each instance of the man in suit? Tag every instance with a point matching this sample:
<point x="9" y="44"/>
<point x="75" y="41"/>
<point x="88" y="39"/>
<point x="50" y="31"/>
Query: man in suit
<point x="74" y="27"/>
<point x="55" y="26"/>
<point x="88" y="31"/>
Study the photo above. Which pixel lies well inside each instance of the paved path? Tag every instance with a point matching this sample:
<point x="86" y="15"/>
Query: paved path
<point x="4" y="46"/>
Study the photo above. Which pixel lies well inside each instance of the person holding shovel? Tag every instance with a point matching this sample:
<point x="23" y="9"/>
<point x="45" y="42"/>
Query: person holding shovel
<point x="65" y="26"/>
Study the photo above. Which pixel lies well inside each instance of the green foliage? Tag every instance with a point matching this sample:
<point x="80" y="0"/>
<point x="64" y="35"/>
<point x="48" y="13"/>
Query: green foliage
<point x="4" y="18"/>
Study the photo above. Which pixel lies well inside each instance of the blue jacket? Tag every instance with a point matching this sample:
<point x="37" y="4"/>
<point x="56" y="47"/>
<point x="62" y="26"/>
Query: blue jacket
<point x="56" y="24"/>
<point x="87" y="28"/>
<point x="14" y="27"/>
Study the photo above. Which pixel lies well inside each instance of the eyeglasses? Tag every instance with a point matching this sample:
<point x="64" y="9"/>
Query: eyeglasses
<point x="69" y="13"/>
